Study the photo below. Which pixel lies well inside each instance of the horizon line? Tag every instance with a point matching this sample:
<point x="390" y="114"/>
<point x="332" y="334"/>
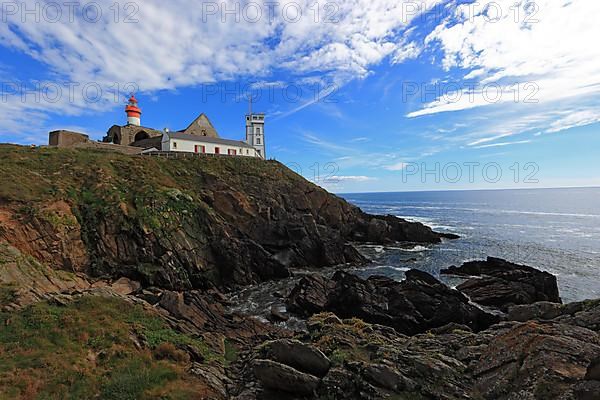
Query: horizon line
<point x="470" y="190"/>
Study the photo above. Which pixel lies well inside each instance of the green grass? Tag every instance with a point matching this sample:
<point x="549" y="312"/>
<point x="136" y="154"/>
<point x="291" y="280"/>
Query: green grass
<point x="231" y="352"/>
<point x="33" y="175"/>
<point x="85" y="349"/>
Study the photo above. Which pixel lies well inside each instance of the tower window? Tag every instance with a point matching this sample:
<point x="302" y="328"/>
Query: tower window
<point x="257" y="140"/>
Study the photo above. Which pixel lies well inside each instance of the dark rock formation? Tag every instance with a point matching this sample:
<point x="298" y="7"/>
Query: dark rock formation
<point x="297" y="355"/>
<point x="510" y="360"/>
<point x="181" y="224"/>
<point x="542" y="361"/>
<point x="415" y="305"/>
<point x="501" y="284"/>
<point x="277" y="376"/>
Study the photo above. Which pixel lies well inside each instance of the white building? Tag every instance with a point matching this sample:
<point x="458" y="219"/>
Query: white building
<point x="199" y="137"/>
<point x="185" y="142"/>
<point x="255" y="132"/>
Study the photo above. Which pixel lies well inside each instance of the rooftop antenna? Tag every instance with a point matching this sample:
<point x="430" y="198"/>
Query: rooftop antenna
<point x="250" y="104"/>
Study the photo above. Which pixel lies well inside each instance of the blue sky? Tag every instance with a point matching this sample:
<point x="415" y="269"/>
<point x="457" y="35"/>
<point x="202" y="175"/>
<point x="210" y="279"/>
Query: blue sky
<point x="366" y="95"/>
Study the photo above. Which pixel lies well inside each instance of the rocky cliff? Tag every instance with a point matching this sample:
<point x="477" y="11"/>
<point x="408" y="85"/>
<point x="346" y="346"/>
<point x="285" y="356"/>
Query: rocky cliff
<point x="179" y="223"/>
<point x="113" y="268"/>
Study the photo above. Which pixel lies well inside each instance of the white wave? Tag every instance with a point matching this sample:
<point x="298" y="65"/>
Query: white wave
<point x="417" y="249"/>
<point x="377" y="267"/>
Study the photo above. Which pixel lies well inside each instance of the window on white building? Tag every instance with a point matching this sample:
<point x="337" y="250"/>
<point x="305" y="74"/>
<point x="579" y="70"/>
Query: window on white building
<point x="257" y="140"/>
<point x="174" y="145"/>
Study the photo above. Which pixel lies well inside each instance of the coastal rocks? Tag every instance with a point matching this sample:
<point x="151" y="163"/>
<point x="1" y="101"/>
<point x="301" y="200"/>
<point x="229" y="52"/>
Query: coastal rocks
<point x="384" y="376"/>
<point x="534" y="360"/>
<point x="297" y="355"/>
<point x="183" y="224"/>
<point x="376" y="362"/>
<point x="277" y="376"/>
<point x="501" y="284"/>
<point x="540" y="310"/>
<point x="388" y="228"/>
<point x="24" y="280"/>
<point x="289" y="366"/>
<point x="124" y="286"/>
<point x="50" y="233"/>
<point x="412" y="306"/>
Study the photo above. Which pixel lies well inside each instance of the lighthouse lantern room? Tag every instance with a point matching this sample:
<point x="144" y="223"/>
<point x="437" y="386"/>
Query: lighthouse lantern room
<point x="133" y="112"/>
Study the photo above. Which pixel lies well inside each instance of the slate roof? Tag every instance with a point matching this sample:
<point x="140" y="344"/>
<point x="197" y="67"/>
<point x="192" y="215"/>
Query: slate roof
<point x="207" y="139"/>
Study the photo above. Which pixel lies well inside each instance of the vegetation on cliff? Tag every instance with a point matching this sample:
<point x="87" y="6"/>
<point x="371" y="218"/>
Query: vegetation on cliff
<point x="179" y="223"/>
<point x="112" y="269"/>
<point x="92" y="346"/>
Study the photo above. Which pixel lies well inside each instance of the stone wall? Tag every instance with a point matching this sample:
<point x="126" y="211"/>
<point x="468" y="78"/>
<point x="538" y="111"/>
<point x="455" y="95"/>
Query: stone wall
<point x="128" y="134"/>
<point x="69" y="139"/>
<point x="64" y="138"/>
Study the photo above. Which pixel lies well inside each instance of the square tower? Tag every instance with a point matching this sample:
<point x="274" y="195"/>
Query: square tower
<point x="255" y="132"/>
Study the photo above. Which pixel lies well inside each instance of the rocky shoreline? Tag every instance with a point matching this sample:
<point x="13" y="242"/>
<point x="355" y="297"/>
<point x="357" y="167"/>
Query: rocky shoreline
<point x="126" y="268"/>
<point x="420" y="339"/>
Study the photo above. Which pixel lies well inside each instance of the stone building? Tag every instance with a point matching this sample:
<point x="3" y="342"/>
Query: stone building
<point x="199" y="137"/>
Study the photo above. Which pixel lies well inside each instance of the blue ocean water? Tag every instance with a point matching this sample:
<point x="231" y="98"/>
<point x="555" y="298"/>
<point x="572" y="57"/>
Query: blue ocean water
<point x="557" y="230"/>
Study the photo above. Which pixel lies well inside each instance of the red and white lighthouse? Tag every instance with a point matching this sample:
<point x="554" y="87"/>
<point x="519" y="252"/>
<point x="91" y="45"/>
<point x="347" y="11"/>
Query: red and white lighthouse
<point x="133" y="112"/>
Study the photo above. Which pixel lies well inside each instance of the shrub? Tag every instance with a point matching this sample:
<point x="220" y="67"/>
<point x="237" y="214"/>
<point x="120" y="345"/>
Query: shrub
<point x="168" y="351"/>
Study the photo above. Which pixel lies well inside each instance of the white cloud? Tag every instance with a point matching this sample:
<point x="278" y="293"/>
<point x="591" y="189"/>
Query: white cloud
<point x="180" y="43"/>
<point x="571" y="120"/>
<point x="550" y="49"/>
<point x="399" y="166"/>
<point x="502" y="144"/>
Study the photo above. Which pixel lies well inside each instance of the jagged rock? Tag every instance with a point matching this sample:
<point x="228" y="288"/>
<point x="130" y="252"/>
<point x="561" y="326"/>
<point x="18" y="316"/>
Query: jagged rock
<point x="276" y="315"/>
<point x="539" y="310"/>
<point x="125" y="286"/>
<point x="31" y="281"/>
<point x="449" y="328"/>
<point x="151" y="295"/>
<point x="415" y="305"/>
<point x="502" y="284"/>
<point x="50" y="233"/>
<point x="219" y="222"/>
<point x="587" y="390"/>
<point x="585" y="314"/>
<point x="385" y="377"/>
<point x="535" y="360"/>
<point x="339" y="383"/>
<point x="298" y="355"/>
<point x="277" y="376"/>
<point x="593" y="371"/>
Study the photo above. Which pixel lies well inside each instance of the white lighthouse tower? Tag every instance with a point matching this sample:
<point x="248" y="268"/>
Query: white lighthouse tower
<point x="133" y="112"/>
<point x="255" y="131"/>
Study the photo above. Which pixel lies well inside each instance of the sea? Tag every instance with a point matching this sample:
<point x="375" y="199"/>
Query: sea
<point x="555" y="230"/>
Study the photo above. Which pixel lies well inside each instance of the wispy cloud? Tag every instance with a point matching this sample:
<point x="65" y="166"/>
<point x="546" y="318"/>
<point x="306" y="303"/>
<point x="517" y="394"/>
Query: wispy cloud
<point x="502" y="144"/>
<point x="172" y="45"/>
<point x="538" y="58"/>
<point x="399" y="166"/>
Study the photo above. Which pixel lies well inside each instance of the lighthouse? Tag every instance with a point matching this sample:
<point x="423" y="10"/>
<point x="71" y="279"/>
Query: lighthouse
<point x="133" y="112"/>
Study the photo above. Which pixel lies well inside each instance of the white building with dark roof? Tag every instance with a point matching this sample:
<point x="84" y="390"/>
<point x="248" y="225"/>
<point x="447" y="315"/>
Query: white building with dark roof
<point x="199" y="137"/>
<point x="185" y="142"/>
